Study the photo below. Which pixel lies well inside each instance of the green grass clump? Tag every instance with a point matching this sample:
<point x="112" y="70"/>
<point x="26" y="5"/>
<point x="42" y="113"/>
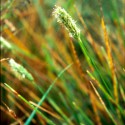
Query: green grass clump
<point x="53" y="77"/>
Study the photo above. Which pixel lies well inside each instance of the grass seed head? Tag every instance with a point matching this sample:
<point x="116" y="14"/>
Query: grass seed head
<point x="65" y="19"/>
<point x="20" y="70"/>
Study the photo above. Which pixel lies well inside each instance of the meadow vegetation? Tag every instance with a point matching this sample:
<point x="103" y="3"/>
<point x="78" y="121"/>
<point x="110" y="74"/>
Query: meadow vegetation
<point x="63" y="64"/>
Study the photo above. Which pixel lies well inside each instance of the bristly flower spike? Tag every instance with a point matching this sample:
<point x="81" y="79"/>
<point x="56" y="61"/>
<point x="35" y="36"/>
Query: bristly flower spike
<point x="65" y="19"/>
<point x="20" y="70"/>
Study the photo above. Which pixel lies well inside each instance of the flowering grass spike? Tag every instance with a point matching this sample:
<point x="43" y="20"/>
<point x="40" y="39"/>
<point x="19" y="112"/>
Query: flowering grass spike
<point x="65" y="19"/>
<point x="20" y="70"/>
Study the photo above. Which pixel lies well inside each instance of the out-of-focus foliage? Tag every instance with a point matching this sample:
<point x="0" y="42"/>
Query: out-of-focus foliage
<point x="84" y="94"/>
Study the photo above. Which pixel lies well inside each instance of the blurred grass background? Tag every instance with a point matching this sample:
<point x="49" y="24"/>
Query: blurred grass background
<point x="31" y="36"/>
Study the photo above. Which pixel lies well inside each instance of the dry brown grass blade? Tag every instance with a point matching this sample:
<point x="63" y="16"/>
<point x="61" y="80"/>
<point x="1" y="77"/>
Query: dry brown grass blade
<point x="12" y="113"/>
<point x="47" y="111"/>
<point x="110" y="61"/>
<point x="15" y="40"/>
<point x="80" y="71"/>
<point x="17" y="104"/>
<point x="77" y="61"/>
<point x="98" y="84"/>
<point x="102" y="102"/>
<point x="22" y="109"/>
<point x="95" y="108"/>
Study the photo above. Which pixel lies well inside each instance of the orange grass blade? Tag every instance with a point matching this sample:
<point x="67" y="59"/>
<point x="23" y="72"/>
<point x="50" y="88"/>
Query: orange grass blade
<point x="102" y="102"/>
<point x="110" y="61"/>
<point x="45" y="110"/>
<point x="16" y="40"/>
